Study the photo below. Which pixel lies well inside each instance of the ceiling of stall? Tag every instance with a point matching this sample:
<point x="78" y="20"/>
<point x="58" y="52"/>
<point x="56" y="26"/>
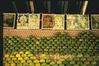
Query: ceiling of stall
<point x="49" y="6"/>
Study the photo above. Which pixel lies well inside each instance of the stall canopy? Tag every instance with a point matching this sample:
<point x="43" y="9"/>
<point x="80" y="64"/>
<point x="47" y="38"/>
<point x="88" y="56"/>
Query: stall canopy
<point x="50" y="6"/>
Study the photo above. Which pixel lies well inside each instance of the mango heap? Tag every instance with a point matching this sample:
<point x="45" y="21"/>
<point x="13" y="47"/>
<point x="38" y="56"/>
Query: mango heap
<point x="57" y="50"/>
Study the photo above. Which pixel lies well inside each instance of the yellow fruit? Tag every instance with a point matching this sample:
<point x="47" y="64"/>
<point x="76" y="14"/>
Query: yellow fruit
<point x="27" y="52"/>
<point x="29" y="61"/>
<point x="43" y="55"/>
<point x="62" y="59"/>
<point x="42" y="60"/>
<point x="8" y="59"/>
<point x="37" y="42"/>
<point x="6" y="64"/>
<point x="26" y="58"/>
<point x="21" y="52"/>
<point x="23" y="61"/>
<point x="12" y="56"/>
<point x="61" y="56"/>
<point x="13" y="64"/>
<point x="47" y="65"/>
<point x="20" y="58"/>
<point x="6" y="55"/>
<point x="31" y="64"/>
<point x="36" y="61"/>
<point x="59" y="62"/>
<point x="33" y="57"/>
<point x="19" y="64"/>
<point x="24" y="55"/>
<point x="4" y="58"/>
<point x="17" y="55"/>
<point x="37" y="64"/>
<point x="30" y="55"/>
<point x="14" y="59"/>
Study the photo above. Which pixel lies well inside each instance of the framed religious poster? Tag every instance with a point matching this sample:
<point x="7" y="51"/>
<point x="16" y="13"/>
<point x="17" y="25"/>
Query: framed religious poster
<point x="95" y="21"/>
<point x="59" y="21"/>
<point x="77" y="22"/>
<point x="9" y="20"/>
<point x="47" y="21"/>
<point x="34" y="21"/>
<point x="22" y="21"/>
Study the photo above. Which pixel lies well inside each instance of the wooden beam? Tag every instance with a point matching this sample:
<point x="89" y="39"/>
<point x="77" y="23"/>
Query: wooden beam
<point x="65" y="6"/>
<point x="84" y="7"/>
<point x="27" y="4"/>
<point x="31" y="5"/>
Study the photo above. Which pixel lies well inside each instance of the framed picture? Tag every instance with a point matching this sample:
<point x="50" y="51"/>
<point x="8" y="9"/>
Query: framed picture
<point x="9" y="20"/>
<point x="34" y="21"/>
<point x="77" y="22"/>
<point x="22" y="21"/>
<point x="95" y="21"/>
<point x="59" y="21"/>
<point x="47" y="21"/>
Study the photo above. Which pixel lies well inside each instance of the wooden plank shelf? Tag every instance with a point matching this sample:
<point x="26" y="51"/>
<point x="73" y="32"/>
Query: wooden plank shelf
<point x="39" y="33"/>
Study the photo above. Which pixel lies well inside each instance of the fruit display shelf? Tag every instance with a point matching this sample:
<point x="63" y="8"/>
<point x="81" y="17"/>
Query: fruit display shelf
<point x="58" y="50"/>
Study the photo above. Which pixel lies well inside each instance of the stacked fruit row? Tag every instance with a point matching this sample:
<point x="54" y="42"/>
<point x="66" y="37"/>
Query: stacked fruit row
<point x="60" y="49"/>
<point x="59" y="43"/>
<point x="28" y="59"/>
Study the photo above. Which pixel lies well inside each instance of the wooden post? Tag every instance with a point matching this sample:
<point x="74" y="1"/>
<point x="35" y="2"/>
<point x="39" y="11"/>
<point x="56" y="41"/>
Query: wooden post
<point x="14" y="5"/>
<point x="31" y="5"/>
<point x="65" y="6"/>
<point x="84" y="7"/>
<point x="49" y="6"/>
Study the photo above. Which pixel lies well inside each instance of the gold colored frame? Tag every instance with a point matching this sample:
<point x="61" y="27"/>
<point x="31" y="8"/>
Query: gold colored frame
<point x="8" y="17"/>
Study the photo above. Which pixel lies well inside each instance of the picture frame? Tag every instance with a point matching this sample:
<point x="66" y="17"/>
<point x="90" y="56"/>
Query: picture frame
<point x="95" y="21"/>
<point x="9" y="20"/>
<point x="47" y="21"/>
<point x="22" y="21"/>
<point x="59" y="21"/>
<point x="77" y="22"/>
<point x="34" y="21"/>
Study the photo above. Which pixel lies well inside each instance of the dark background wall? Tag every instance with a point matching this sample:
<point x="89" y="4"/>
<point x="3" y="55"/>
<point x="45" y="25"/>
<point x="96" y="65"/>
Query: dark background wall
<point x="43" y="6"/>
